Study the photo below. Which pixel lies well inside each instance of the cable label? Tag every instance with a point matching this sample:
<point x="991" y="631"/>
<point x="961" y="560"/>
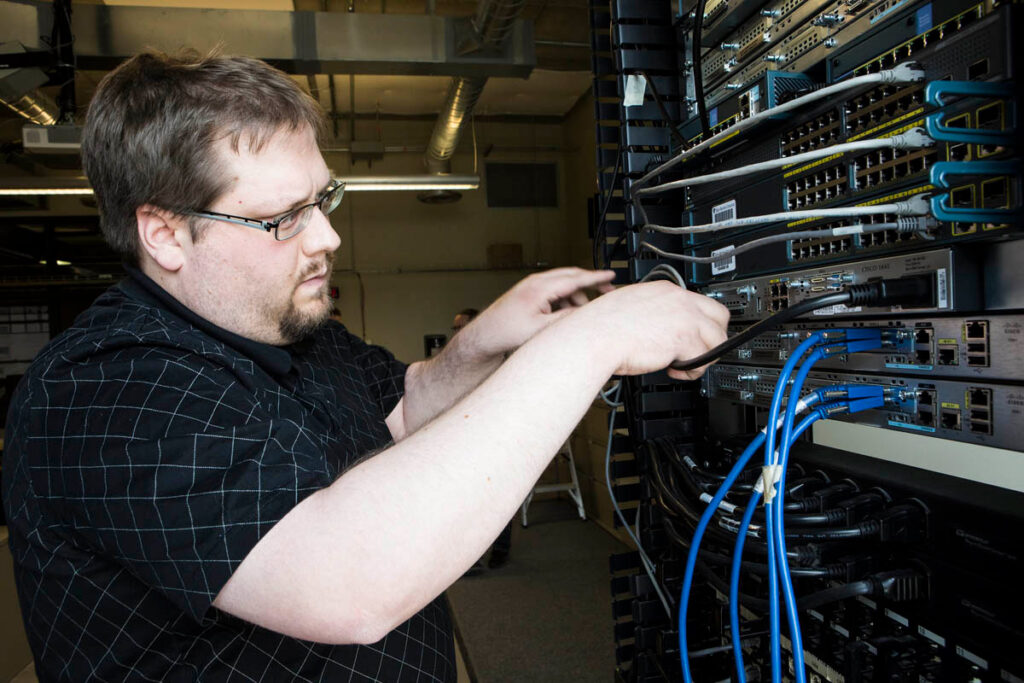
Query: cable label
<point x="719" y="214"/>
<point x="940" y="278"/>
<point x="635" y="87"/>
<point x="848" y="230"/>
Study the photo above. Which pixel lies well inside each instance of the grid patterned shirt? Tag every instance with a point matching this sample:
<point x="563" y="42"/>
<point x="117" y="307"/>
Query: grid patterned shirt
<point x="148" y="451"/>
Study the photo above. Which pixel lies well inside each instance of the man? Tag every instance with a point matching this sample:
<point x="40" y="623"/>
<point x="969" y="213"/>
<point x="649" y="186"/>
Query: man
<point x="203" y="482"/>
<point x="503" y="543"/>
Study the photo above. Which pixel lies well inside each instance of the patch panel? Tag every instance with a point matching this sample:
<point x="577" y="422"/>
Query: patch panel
<point x="929" y="406"/>
<point x="814" y="133"/>
<point x="886" y="166"/>
<point x="751" y="299"/>
<point x="880" y="105"/>
<point x="823" y="184"/>
<point x="985" y="348"/>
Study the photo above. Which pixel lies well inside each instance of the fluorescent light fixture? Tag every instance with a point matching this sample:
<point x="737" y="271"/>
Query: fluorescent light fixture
<point x="24" y="187"/>
<point x="411" y="182"/>
<point x="59" y="263"/>
<point x="17" y="187"/>
<point x="40" y="191"/>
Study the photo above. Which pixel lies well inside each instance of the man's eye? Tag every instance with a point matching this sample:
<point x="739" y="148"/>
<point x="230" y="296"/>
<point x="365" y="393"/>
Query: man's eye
<point x="288" y="220"/>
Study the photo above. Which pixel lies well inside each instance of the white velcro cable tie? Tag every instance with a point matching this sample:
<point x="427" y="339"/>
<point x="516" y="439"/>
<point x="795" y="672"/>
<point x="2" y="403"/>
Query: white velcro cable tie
<point x="770" y="475"/>
<point x="728" y="507"/>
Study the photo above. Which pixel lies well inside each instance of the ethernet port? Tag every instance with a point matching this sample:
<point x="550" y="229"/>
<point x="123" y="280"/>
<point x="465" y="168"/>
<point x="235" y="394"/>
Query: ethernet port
<point x="957" y="152"/>
<point x="995" y="193"/>
<point x="923" y="356"/>
<point x="980" y="398"/>
<point x="950" y="418"/>
<point x="926" y="418"/>
<point x="976" y="329"/>
<point x="923" y="335"/>
<point x="925" y="397"/>
<point x="949" y="354"/>
<point x="978" y="70"/>
<point x="962" y="197"/>
<point x="990" y="117"/>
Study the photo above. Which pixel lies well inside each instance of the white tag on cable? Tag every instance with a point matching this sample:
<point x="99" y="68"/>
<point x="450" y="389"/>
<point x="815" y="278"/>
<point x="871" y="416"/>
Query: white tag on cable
<point x="770" y="475"/>
<point x="728" y="507"/>
<point x="636" y="86"/>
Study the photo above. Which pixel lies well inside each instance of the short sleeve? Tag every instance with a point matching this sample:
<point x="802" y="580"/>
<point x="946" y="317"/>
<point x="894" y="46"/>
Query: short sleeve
<point x="170" y="467"/>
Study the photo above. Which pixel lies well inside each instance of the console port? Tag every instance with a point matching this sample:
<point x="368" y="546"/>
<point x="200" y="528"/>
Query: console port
<point x="980" y="398"/>
<point x="925" y="397"/>
<point x="923" y="356"/>
<point x="976" y="329"/>
<point x="950" y="418"/>
<point x="926" y="418"/>
<point x="923" y="335"/>
<point x="949" y="354"/>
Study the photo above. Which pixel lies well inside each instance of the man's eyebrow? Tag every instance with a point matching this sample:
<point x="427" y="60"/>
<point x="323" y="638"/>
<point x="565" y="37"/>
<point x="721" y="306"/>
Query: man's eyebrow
<point x="304" y="201"/>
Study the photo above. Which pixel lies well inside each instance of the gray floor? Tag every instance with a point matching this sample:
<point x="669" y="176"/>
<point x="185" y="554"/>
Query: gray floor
<point x="546" y="615"/>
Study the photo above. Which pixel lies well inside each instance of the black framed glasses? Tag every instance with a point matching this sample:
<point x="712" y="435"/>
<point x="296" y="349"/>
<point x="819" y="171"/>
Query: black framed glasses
<point x="287" y="225"/>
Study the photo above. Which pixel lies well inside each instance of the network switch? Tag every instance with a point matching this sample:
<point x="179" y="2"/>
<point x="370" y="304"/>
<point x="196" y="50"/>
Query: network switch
<point x="972" y="411"/>
<point x="982" y="346"/>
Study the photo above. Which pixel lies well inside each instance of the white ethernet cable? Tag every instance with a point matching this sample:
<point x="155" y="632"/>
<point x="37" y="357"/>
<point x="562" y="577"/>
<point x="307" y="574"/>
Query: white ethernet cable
<point x="648" y="565"/>
<point x="664" y="270"/>
<point x="914" y="206"/>
<point x="915" y="138"/>
<point x="905" y="224"/>
<point x="901" y="73"/>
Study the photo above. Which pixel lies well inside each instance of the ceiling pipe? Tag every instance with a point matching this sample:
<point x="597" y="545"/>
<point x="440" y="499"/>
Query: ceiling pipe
<point x="489" y="28"/>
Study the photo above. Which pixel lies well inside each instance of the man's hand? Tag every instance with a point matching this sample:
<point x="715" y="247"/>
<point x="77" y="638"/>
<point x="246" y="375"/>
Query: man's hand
<point x="531" y="305"/>
<point x="650" y="325"/>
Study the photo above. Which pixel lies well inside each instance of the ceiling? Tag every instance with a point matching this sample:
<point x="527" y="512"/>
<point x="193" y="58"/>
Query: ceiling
<point x="32" y="230"/>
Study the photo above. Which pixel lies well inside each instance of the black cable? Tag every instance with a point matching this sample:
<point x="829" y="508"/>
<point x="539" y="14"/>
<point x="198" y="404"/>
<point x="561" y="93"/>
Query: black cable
<point x="916" y="290"/>
<point x="600" y="230"/>
<point x="675" y="134"/>
<point x="698" y="75"/>
<point x="835" y="594"/>
<point x="762" y="326"/>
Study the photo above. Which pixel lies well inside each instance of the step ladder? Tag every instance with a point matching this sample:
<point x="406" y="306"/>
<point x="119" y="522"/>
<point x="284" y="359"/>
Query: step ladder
<point x="572" y="487"/>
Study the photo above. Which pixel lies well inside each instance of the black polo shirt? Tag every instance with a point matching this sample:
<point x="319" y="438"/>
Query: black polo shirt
<point x="147" y="452"/>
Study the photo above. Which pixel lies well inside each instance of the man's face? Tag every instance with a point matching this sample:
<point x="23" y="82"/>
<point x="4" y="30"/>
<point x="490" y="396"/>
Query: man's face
<point x="243" y="279"/>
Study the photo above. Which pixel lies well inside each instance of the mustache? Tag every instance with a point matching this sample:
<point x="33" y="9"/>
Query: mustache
<point x="316" y="267"/>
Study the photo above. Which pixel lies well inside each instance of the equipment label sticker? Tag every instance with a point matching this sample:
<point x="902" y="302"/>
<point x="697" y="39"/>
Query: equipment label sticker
<point x="940" y="280"/>
<point x="720" y="213"/>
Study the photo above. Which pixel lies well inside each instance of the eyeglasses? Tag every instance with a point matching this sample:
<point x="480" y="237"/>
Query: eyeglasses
<point x="289" y="224"/>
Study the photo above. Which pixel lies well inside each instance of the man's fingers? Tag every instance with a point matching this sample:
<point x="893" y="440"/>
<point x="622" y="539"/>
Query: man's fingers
<point x="579" y="299"/>
<point x="578" y="279"/>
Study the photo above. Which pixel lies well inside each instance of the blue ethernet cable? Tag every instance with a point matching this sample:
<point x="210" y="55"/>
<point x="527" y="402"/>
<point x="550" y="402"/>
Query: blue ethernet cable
<point x="702" y="524"/>
<point x="856" y="340"/>
<point x="813" y="340"/>
<point x="850" y="341"/>
<point x="698" y="534"/>
<point x="808" y="401"/>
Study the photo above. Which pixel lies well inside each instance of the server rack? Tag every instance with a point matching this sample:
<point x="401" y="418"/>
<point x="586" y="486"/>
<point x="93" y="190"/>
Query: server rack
<point x="775" y="152"/>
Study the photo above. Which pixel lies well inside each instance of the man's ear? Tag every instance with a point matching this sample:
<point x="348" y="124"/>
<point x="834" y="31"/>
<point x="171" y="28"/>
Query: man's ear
<point x="164" y="236"/>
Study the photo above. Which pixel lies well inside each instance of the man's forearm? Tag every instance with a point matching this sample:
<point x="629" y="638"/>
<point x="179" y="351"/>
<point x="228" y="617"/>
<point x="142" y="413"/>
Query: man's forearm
<point x="403" y="525"/>
<point x="435" y="385"/>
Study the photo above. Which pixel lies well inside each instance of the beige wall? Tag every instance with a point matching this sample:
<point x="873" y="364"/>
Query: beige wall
<point x="415" y="265"/>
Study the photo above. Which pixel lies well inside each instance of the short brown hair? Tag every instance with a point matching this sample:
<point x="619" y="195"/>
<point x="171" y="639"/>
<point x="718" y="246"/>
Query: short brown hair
<point x="151" y="127"/>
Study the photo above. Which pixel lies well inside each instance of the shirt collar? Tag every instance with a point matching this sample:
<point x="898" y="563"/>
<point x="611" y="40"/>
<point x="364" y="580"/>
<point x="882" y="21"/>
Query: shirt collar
<point x="274" y="359"/>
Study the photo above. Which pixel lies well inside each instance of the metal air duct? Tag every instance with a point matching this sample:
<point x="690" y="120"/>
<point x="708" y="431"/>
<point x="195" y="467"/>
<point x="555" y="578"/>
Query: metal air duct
<point x="489" y="28"/>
